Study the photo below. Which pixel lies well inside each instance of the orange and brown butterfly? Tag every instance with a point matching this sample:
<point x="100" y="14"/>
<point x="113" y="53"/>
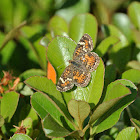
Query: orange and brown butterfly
<point x="79" y="71"/>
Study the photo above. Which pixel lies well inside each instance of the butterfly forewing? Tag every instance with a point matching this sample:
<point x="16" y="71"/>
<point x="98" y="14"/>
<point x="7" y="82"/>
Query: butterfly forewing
<point x="84" y="45"/>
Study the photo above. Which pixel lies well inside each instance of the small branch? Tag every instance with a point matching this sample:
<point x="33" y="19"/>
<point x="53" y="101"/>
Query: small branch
<point x="11" y="34"/>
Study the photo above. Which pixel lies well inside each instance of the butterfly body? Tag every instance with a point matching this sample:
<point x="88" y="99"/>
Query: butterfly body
<point x="83" y="63"/>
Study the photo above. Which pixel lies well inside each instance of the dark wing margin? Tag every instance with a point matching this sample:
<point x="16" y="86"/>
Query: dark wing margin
<point x="65" y="81"/>
<point x="84" y="45"/>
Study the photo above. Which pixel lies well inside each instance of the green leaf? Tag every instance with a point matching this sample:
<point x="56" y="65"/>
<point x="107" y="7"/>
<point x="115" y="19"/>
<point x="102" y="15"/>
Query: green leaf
<point x="20" y="137"/>
<point x="53" y="96"/>
<point x="134" y="12"/>
<point x="34" y="35"/>
<point x="110" y="74"/>
<point x="79" y="110"/>
<point x="106" y="44"/>
<point x="134" y="109"/>
<point x="1" y="120"/>
<point x="7" y="15"/>
<point x="38" y="104"/>
<point x="115" y="102"/>
<point x="9" y="104"/>
<point x="32" y="72"/>
<point x="128" y="133"/>
<point x="72" y="8"/>
<point x="121" y="49"/>
<point x="132" y="75"/>
<point x="7" y="51"/>
<point x="61" y="48"/>
<point x="44" y="105"/>
<point x="53" y="129"/>
<point x="134" y="64"/>
<point x="116" y="93"/>
<point x="61" y="24"/>
<point x="21" y="11"/>
<point x="136" y="123"/>
<point x="26" y="91"/>
<point x="28" y="112"/>
<point x="92" y="93"/>
<point x="41" y="53"/>
<point x="124" y="26"/>
<point x="81" y="24"/>
<point x="101" y="11"/>
<point x="111" y="30"/>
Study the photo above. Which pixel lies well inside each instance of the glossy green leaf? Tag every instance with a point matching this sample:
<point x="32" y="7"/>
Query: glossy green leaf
<point x="62" y="48"/>
<point x="53" y="96"/>
<point x="9" y="104"/>
<point x="112" y="115"/>
<point x="20" y="137"/>
<point x="124" y="26"/>
<point x="134" y="12"/>
<point x="132" y="75"/>
<point x="1" y="120"/>
<point x="61" y="24"/>
<point x="116" y="93"/>
<point x="60" y="51"/>
<point x="79" y="110"/>
<point x="72" y="8"/>
<point x="106" y="44"/>
<point x="32" y="72"/>
<point x="92" y="93"/>
<point x="44" y="105"/>
<point x="52" y="129"/>
<point x="121" y="49"/>
<point x="128" y="133"/>
<point x="136" y="123"/>
<point x="81" y="24"/>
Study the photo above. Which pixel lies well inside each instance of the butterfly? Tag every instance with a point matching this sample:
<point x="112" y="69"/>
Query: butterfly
<point x="80" y="68"/>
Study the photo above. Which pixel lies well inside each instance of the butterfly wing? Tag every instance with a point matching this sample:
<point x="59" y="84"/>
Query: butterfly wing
<point x="81" y="77"/>
<point x="84" y="45"/>
<point x="65" y="81"/>
<point x="90" y="61"/>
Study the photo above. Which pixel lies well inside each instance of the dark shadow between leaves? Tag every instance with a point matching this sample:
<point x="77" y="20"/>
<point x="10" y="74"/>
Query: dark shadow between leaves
<point x="65" y="123"/>
<point x="69" y="3"/>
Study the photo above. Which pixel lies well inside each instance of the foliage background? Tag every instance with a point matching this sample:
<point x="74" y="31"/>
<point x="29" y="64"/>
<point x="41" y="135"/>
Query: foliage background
<point x="24" y="23"/>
